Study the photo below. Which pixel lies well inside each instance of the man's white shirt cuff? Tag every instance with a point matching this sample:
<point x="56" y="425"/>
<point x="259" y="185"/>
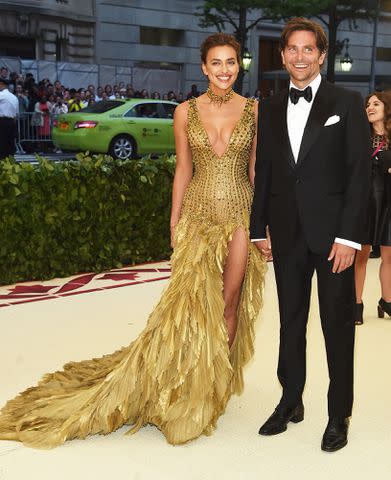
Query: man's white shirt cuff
<point x="348" y="243"/>
<point x="257" y="239"/>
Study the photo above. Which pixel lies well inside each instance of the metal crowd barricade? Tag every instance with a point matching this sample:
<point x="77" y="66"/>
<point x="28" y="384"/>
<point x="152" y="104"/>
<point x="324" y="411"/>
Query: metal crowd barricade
<point x="34" y="132"/>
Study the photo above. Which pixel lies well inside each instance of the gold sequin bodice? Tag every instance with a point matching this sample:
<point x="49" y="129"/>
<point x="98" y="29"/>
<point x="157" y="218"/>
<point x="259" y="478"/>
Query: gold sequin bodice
<point x="220" y="190"/>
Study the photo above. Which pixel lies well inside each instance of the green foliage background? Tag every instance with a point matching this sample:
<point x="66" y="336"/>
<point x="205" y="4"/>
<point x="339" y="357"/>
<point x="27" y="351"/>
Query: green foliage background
<point x="96" y="213"/>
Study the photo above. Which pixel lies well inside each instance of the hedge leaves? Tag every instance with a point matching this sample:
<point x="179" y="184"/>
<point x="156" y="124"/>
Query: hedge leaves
<point x="93" y="214"/>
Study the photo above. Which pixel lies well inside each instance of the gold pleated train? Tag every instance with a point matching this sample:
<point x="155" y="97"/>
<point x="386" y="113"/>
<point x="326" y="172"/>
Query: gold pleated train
<point x="178" y="374"/>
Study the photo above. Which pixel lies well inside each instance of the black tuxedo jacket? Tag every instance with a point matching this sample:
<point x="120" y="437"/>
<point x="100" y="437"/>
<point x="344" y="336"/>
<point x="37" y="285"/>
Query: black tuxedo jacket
<point x="326" y="192"/>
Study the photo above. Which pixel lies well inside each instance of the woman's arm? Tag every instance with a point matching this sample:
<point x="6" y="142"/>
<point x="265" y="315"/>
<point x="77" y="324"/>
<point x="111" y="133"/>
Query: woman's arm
<point x="184" y="165"/>
<point x="253" y="154"/>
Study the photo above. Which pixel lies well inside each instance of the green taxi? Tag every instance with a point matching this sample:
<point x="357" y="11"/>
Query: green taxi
<point x="121" y="128"/>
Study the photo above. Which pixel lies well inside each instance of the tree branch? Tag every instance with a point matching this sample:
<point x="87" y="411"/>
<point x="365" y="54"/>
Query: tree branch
<point x="229" y="19"/>
<point x="319" y="17"/>
<point x="253" y="24"/>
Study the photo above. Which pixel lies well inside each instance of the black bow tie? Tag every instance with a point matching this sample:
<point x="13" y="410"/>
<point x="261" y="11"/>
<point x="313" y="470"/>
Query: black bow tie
<point x="295" y="94"/>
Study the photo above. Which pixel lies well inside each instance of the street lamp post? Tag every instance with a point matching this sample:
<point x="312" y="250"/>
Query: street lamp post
<point x="346" y="61"/>
<point x="246" y="61"/>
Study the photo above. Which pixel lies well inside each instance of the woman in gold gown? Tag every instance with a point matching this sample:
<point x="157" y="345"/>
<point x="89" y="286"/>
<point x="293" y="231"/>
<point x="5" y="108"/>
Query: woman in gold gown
<point x="182" y="369"/>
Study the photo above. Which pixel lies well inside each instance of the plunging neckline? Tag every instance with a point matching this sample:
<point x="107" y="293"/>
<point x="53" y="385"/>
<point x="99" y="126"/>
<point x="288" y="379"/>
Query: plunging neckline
<point x="209" y="144"/>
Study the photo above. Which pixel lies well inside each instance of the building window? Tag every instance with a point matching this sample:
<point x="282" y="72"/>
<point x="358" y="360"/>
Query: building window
<point x="60" y="49"/>
<point x="383" y="54"/>
<point x="166" y="37"/>
<point x="17" y="47"/>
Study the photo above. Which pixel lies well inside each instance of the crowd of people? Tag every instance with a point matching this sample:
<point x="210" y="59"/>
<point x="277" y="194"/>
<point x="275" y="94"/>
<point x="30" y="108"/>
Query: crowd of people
<point x="56" y="98"/>
<point x="43" y="99"/>
<point x="45" y="96"/>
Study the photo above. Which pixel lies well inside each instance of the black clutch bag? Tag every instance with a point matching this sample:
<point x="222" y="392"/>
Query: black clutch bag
<point x="384" y="160"/>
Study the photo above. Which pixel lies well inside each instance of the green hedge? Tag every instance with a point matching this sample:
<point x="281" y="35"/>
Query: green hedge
<point x="96" y="213"/>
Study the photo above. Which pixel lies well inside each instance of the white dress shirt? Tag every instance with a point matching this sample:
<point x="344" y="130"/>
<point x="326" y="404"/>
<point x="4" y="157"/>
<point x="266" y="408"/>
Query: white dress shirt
<point x="296" y="118"/>
<point x="9" y="104"/>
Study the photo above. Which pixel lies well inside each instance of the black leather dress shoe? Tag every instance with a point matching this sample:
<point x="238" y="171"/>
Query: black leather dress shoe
<point x="336" y="434"/>
<point x="278" y="421"/>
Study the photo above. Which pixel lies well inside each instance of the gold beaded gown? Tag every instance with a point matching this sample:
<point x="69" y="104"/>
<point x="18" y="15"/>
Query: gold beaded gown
<point x="179" y="373"/>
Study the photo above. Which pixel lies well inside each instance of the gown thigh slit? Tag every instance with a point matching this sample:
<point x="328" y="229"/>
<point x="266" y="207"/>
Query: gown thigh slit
<point x="179" y="373"/>
<point x="233" y="277"/>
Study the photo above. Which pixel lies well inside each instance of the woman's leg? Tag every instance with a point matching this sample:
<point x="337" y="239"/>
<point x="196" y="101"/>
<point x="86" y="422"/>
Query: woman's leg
<point x="360" y="268"/>
<point x="385" y="273"/>
<point x="233" y="276"/>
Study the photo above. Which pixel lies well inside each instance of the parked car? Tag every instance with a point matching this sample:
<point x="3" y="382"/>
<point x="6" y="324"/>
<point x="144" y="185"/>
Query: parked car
<point x="122" y="128"/>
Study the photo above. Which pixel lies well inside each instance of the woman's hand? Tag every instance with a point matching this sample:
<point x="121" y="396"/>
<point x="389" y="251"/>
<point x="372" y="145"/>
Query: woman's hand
<point x="265" y="248"/>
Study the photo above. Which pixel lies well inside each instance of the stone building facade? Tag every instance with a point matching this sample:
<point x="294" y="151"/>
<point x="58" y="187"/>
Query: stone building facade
<point x="53" y="30"/>
<point x="159" y="39"/>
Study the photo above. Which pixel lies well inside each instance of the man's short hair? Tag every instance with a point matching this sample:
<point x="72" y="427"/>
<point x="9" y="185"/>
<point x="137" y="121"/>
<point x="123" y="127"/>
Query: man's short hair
<point x="300" y="23"/>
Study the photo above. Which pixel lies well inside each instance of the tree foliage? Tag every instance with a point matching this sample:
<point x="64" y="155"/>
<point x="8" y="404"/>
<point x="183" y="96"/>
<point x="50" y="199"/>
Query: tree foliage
<point x="350" y="10"/>
<point x="219" y="13"/>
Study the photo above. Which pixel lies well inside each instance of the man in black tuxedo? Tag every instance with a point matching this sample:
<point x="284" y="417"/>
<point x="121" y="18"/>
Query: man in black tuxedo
<point x="311" y="189"/>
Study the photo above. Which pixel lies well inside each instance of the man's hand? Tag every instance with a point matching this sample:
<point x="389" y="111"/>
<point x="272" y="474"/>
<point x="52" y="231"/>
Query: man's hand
<point x="265" y="247"/>
<point x="343" y="257"/>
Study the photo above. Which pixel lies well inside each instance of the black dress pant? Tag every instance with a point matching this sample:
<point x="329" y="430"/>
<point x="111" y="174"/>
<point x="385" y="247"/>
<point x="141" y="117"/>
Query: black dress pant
<point x="7" y="137"/>
<point x="293" y="272"/>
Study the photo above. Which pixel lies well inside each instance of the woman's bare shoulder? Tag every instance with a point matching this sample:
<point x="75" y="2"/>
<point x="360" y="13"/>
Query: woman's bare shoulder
<point x="254" y="102"/>
<point x="181" y="111"/>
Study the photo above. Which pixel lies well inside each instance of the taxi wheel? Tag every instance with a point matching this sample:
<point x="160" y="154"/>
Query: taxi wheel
<point x="122" y="147"/>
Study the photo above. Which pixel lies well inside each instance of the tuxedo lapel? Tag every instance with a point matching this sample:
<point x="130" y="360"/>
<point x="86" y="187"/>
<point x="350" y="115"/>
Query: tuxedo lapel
<point x="322" y="107"/>
<point x="280" y="125"/>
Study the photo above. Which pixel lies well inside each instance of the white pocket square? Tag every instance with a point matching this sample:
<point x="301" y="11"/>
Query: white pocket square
<point x="332" y="120"/>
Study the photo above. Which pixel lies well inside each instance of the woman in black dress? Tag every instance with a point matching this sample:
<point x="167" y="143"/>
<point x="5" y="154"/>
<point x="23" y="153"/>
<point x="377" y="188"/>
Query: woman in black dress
<point x="378" y="232"/>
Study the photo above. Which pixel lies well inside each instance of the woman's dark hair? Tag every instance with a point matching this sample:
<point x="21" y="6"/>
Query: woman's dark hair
<point x="219" y="40"/>
<point x="385" y="98"/>
<point x="299" y="23"/>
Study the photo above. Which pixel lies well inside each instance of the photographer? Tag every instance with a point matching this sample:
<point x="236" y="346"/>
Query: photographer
<point x="59" y="106"/>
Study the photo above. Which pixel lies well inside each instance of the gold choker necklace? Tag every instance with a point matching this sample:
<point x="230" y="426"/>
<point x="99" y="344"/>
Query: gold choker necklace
<point x="219" y="99"/>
